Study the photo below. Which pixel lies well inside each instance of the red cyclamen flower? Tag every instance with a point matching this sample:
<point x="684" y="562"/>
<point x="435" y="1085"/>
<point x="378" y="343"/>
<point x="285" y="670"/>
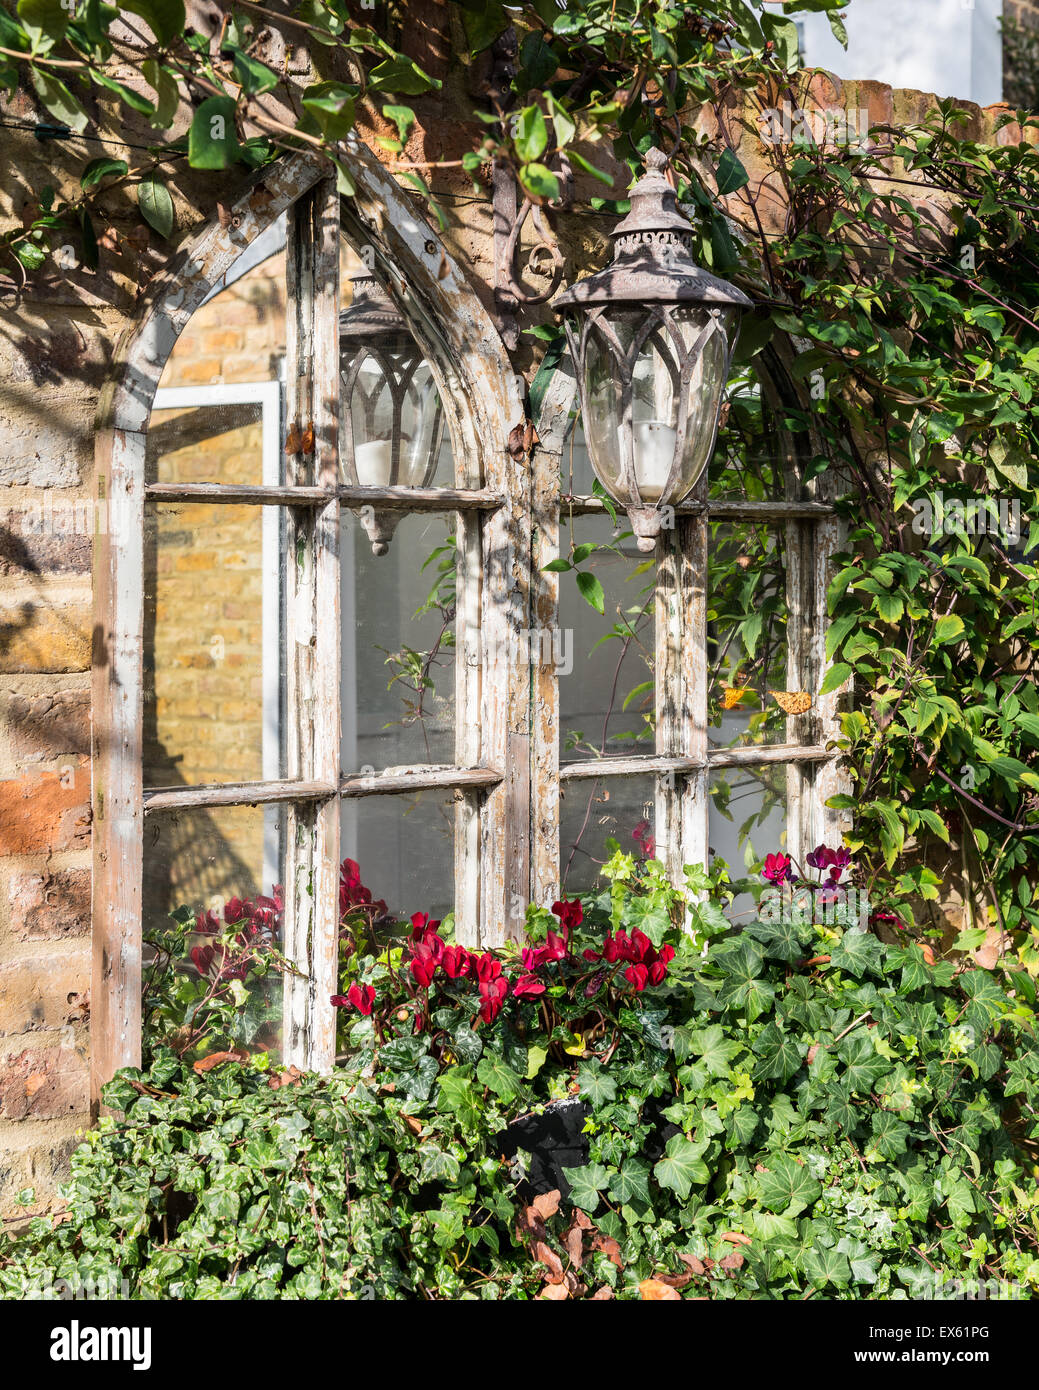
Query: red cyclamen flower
<point x="359" y="997"/>
<point x="528" y="985"/>
<point x="778" y="869"/>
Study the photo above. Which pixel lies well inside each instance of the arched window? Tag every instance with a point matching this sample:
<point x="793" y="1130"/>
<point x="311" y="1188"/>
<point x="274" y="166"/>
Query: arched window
<point x="272" y="567"/>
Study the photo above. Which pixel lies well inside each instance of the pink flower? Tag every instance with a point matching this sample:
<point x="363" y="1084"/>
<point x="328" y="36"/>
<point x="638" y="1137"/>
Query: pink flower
<point x="528" y="985"/>
<point x="488" y="967"/>
<point x="235" y="909"/>
<point x="423" y="964"/>
<point x="359" y="997"/>
<point x="777" y="869"/>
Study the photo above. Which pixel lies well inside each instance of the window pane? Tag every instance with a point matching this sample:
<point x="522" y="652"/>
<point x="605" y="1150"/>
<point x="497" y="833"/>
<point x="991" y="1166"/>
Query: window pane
<point x="750" y="686"/>
<point x="238" y="334"/>
<point x="746" y="821"/>
<point x="212" y="606"/>
<point x="217" y="870"/>
<point x="403" y="850"/>
<point x="597" y="817"/>
<point x="398" y="652"/>
<point x="207" y="443"/>
<point x="748" y="459"/>
<point x="605" y="663"/>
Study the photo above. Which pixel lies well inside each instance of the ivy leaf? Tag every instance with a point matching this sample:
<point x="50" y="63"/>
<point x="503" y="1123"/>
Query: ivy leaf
<point x="438" y="1165"/>
<point x="630" y="1185"/>
<point x="156" y="205"/>
<point x="827" y="1267"/>
<point x="780" y="1055"/>
<point x="586" y="1183"/>
<point x="681" y="1167"/>
<point x="787" y="1186"/>
<point x="863" y="1066"/>
<point x="457" y="1095"/>
<point x="709" y="1045"/>
<point x="858" y="953"/>
<point x="591" y="590"/>
<point x="213" y="139"/>
<point x="741" y="1125"/>
<point x="499" y="1077"/>
<point x="597" y="1085"/>
<point x="742" y="988"/>
<point x="889" y="1135"/>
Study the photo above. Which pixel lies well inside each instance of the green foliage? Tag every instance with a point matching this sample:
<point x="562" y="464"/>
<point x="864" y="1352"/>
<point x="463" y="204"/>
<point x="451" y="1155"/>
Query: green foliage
<point x="764" y="1123"/>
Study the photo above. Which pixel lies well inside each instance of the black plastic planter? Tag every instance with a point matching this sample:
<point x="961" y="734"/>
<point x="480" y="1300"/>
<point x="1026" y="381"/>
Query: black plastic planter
<point x="554" y="1141"/>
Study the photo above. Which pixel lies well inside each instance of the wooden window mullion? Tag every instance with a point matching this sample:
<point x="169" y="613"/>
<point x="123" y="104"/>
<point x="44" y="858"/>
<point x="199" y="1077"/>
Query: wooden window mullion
<point x="312" y="637"/>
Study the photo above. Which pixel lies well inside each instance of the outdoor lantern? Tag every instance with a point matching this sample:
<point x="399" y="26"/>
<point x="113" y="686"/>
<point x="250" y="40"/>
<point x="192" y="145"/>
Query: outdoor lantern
<point x="393" y="420"/>
<point x="651" y="338"/>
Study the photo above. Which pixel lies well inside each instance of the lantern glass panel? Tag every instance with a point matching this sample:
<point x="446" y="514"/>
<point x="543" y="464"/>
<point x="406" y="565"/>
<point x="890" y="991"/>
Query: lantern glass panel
<point x="661" y="402"/>
<point x="393" y="408"/>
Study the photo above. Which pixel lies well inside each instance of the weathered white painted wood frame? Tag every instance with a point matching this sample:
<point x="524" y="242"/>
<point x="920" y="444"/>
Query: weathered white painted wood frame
<point x="506" y="777"/>
<point x="483" y="403"/>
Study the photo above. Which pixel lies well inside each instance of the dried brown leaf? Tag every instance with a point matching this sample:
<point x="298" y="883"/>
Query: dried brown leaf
<point x="654" y="1291"/>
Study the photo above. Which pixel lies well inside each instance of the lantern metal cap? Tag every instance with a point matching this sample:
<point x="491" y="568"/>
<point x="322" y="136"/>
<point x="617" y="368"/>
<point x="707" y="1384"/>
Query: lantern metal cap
<point x="371" y="313"/>
<point x="653" y="256"/>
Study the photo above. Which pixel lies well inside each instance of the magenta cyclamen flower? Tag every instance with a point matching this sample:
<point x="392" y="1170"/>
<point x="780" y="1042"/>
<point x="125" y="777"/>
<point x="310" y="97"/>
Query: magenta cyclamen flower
<point x="778" y="869"/>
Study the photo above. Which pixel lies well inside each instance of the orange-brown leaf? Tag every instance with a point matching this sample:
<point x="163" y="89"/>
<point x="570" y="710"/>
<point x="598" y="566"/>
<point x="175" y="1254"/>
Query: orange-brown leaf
<point x="555" y="1293"/>
<point x="547" y="1203"/>
<point x="654" y="1291"/>
<point x="236" y="1054"/>
<point x="736" y="1237"/>
<point x="548" y="1257"/>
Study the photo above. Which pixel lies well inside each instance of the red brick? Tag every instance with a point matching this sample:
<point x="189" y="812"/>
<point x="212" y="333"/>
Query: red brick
<point x="50" y="906"/>
<point x="41" y="813"/>
<point x="43" y="1084"/>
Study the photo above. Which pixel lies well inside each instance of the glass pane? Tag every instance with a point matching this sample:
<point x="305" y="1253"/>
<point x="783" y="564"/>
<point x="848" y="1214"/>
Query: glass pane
<point x="209" y="444"/>
<point x="212" y="923"/>
<point x="605" y="663"/>
<point x="751" y="692"/>
<point x="212" y="613"/>
<point x="238" y="334"/>
<point x="597" y="817"/>
<point x="748" y="459"/>
<point x="398" y="649"/>
<point x="746" y="821"/>
<point x="402" y="848"/>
